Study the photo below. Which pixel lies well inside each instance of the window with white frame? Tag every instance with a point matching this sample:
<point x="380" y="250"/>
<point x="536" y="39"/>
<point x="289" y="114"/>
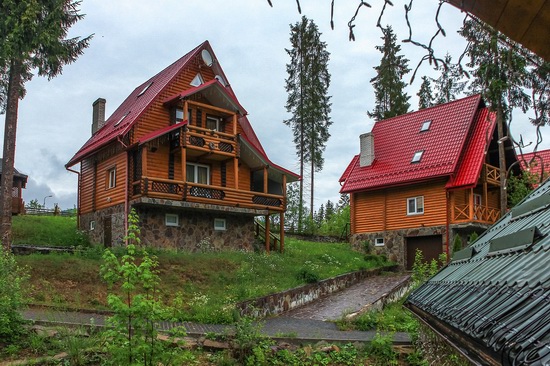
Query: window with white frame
<point x="111" y="178"/>
<point x="213" y="123"/>
<point x="379" y="242"/>
<point x="219" y="224"/>
<point x="197" y="80"/>
<point x="415" y="205"/>
<point x="92" y="225"/>
<point x="198" y="173"/>
<point x="171" y="219"/>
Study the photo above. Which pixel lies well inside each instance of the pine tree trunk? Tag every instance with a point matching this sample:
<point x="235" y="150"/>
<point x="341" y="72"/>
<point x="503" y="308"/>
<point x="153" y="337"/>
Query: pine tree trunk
<point x="10" y="129"/>
<point x="501" y="159"/>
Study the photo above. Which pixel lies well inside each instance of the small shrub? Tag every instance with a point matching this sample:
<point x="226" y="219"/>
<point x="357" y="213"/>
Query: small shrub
<point x="381" y="351"/>
<point x="12" y="278"/>
<point x="307" y="276"/>
<point x="457" y="244"/>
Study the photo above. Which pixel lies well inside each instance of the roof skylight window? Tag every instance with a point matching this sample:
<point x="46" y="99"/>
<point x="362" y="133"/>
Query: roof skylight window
<point x="145" y="89"/>
<point x="426" y="125"/>
<point x="197" y="80"/>
<point x="417" y="156"/>
<point x="122" y="118"/>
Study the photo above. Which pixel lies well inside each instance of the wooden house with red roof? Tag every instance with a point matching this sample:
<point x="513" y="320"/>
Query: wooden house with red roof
<point x="19" y="182"/>
<point x="182" y="152"/>
<point x="424" y="177"/>
<point x="537" y="163"/>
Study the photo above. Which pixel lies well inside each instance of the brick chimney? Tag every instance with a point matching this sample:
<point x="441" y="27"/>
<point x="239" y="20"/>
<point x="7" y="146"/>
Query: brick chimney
<point x="366" y="155"/>
<point x="98" y="114"/>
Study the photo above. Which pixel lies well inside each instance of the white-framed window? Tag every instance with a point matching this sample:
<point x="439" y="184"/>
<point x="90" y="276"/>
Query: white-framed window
<point x="213" y="123"/>
<point x="171" y="219"/>
<point x="197" y="80"/>
<point x="417" y="156"/>
<point x="379" y="242"/>
<point x="92" y="225"/>
<point x="219" y="224"/>
<point x="426" y="125"/>
<point x="198" y="173"/>
<point x="415" y="205"/>
<point x="111" y="178"/>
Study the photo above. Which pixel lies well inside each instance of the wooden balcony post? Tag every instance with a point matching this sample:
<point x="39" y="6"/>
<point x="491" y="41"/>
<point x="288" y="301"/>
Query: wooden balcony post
<point x="234" y="124"/>
<point x="236" y="172"/>
<point x="282" y="232"/>
<point x="471" y="204"/>
<point x="186" y="111"/>
<point x="452" y="199"/>
<point x="284" y="192"/>
<point x="267" y="229"/>
<point x="183" y="164"/>
<point x="144" y="160"/>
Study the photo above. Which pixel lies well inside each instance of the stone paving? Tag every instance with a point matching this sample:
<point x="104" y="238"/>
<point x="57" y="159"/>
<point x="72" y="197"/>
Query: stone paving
<point x="312" y="322"/>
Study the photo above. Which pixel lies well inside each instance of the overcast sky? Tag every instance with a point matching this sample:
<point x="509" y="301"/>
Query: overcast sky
<point x="135" y="39"/>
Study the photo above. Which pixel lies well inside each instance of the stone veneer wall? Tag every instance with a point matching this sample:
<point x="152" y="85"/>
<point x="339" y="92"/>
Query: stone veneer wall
<point x="117" y="224"/>
<point x="394" y="241"/>
<point x="196" y="230"/>
<point x="290" y="299"/>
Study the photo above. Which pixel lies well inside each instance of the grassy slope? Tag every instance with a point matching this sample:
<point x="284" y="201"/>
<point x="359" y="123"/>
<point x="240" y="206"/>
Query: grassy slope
<point x="47" y="230"/>
<point x="204" y="284"/>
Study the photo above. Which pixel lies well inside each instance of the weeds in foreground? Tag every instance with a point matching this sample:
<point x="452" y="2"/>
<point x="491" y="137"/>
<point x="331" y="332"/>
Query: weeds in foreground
<point x="12" y="278"/>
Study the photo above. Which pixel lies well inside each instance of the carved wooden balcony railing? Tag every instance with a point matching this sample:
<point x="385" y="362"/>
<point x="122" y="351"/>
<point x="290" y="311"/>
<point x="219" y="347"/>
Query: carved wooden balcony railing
<point x="202" y="193"/>
<point x="491" y="174"/>
<point x="203" y="139"/>
<point x="483" y="214"/>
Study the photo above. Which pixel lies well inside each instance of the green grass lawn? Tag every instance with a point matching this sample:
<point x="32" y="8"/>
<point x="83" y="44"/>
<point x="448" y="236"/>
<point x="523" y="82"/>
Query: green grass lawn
<point x="47" y="230"/>
<point x="202" y="286"/>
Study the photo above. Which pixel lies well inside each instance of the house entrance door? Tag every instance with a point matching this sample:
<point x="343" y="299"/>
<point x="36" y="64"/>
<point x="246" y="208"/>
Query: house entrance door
<point x="431" y="247"/>
<point x="107" y="232"/>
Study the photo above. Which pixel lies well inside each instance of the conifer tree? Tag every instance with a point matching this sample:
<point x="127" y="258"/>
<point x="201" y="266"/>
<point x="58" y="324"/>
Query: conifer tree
<point x="389" y="87"/>
<point x="307" y="87"/>
<point x="425" y="96"/>
<point x="33" y="37"/>
<point x="500" y="74"/>
<point x="449" y="84"/>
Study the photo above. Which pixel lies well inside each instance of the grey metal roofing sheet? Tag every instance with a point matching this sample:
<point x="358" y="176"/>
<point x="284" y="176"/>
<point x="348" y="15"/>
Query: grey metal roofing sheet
<point x="502" y="300"/>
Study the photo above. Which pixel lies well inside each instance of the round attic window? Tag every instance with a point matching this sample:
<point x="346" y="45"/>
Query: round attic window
<point x="207" y="58"/>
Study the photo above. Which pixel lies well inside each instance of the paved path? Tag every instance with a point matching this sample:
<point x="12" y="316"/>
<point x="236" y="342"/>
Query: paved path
<point x="311" y="322"/>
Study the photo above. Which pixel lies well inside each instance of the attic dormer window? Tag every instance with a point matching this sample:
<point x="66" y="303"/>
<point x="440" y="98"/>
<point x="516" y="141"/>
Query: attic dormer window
<point x="197" y="80"/>
<point x="122" y="118"/>
<point x="426" y="125"/>
<point x="145" y="89"/>
<point x="417" y="156"/>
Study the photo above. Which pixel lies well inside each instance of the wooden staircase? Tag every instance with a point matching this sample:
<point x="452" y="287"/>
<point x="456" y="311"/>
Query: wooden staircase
<point x="274" y="239"/>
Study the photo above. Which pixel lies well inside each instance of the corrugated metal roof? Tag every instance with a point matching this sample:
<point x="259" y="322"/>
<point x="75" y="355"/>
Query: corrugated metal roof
<point x="455" y="128"/>
<point x="501" y="299"/>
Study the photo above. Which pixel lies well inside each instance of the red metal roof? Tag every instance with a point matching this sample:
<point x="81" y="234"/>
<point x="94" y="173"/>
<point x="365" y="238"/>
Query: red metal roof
<point x="128" y="113"/>
<point x="397" y="139"/>
<point x="535" y="161"/>
<point x="162" y="131"/>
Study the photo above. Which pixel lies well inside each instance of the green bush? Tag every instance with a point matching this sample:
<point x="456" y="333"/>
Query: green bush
<point x="307" y="276"/>
<point x="12" y="278"/>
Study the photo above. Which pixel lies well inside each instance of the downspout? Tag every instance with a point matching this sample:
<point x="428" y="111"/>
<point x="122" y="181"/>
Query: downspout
<point x="77" y="198"/>
<point x="125" y="190"/>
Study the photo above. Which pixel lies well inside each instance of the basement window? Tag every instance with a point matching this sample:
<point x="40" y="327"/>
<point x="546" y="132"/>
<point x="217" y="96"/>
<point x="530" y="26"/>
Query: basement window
<point x="379" y="242"/>
<point x="426" y="125"/>
<point x="417" y="156"/>
<point x="219" y="224"/>
<point x="171" y="219"/>
<point x="92" y="225"/>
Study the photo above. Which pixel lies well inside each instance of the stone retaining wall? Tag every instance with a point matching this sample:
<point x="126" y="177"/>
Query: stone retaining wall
<point x="287" y="300"/>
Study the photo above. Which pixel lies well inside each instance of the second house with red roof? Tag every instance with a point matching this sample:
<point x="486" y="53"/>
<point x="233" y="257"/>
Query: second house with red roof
<point x="180" y="150"/>
<point x="424" y="177"/>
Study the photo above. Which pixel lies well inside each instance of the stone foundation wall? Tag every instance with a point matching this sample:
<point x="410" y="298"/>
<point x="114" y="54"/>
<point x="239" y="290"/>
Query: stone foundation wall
<point x="116" y="215"/>
<point x="287" y="300"/>
<point x="195" y="231"/>
<point x="394" y="247"/>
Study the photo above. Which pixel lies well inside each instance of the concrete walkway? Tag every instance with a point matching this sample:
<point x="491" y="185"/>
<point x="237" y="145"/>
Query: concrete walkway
<point x="312" y="322"/>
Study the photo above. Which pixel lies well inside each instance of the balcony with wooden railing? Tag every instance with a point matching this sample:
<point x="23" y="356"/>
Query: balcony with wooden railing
<point x="200" y="140"/>
<point x="208" y="194"/>
<point x="474" y="213"/>
<point x="491" y="174"/>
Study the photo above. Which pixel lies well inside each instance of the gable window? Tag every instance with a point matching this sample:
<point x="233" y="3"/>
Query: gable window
<point x="198" y="173"/>
<point x="415" y="205"/>
<point x="219" y="224"/>
<point x="379" y="242"/>
<point x="197" y="80"/>
<point x="171" y="219"/>
<point x="179" y="115"/>
<point x="417" y="156"/>
<point x="111" y="178"/>
<point x="426" y="125"/>
<point x="212" y="123"/>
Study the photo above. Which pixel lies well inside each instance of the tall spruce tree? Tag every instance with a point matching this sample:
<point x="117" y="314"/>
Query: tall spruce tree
<point x="307" y="87"/>
<point x="425" y="95"/>
<point x="500" y="74"/>
<point x="389" y="87"/>
<point x="33" y="36"/>
<point x="449" y="84"/>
